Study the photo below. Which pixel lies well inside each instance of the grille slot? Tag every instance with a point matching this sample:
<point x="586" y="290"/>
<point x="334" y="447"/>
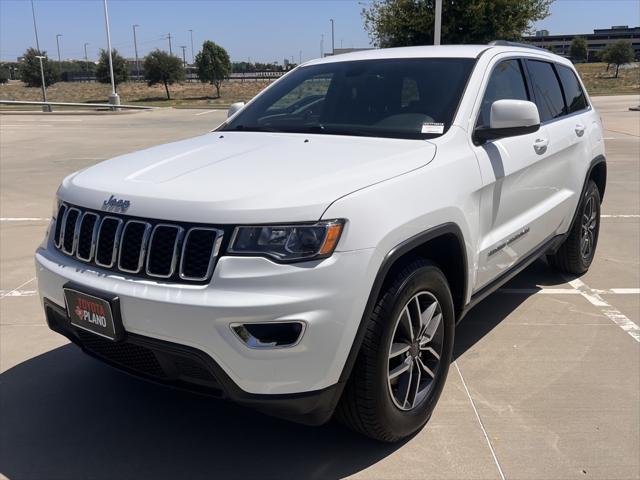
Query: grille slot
<point x="140" y="247"/>
<point x="163" y="250"/>
<point x="87" y="236"/>
<point x="70" y="225"/>
<point x="108" y="237"/>
<point x="198" y="253"/>
<point x="59" y="222"/>
<point x="133" y="246"/>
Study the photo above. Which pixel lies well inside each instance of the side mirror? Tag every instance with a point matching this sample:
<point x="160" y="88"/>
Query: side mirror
<point x="234" y="108"/>
<point x="509" y="118"/>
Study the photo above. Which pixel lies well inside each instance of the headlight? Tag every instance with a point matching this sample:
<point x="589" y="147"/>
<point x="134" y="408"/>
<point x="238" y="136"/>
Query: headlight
<point x="288" y="243"/>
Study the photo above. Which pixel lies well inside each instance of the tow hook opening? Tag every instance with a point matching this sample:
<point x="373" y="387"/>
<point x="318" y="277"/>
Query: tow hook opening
<point x="269" y="335"/>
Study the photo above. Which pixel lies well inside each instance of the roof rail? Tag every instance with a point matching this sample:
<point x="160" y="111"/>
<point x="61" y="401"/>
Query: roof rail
<point x="506" y="43"/>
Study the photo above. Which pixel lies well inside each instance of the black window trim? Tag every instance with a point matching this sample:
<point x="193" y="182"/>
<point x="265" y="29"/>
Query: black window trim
<point x="579" y="80"/>
<point x="523" y="70"/>
<point x="564" y="97"/>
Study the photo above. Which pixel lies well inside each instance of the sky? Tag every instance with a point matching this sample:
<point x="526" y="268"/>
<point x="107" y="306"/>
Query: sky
<point x="256" y="30"/>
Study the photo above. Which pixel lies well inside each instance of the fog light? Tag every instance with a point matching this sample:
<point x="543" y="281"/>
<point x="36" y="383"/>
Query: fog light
<point x="269" y="334"/>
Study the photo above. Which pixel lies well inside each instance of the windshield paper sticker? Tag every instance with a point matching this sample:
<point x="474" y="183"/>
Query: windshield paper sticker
<point x="432" y="128"/>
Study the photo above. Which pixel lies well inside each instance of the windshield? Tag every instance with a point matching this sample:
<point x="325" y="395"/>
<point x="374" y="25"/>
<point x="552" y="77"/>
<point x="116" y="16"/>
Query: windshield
<point x="399" y="98"/>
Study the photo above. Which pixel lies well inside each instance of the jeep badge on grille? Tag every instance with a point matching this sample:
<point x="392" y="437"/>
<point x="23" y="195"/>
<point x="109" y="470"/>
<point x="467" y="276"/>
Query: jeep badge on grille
<point x="116" y="205"/>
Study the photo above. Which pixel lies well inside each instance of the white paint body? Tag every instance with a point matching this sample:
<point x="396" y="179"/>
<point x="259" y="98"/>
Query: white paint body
<point x="388" y="190"/>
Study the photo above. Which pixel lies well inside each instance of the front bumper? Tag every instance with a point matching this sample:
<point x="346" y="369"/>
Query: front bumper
<point x="328" y="295"/>
<point x="190" y="369"/>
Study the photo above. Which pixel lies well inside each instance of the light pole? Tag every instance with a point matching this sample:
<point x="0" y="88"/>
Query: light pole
<point x="35" y="27"/>
<point x="169" y="38"/>
<point x="438" y="26"/>
<point x="46" y="107"/>
<point x="192" y="57"/>
<point x="114" y="99"/>
<point x="321" y="45"/>
<point x="135" y="47"/>
<point x="333" y="45"/>
<point x="86" y="59"/>
<point x="184" y="59"/>
<point x="58" y="45"/>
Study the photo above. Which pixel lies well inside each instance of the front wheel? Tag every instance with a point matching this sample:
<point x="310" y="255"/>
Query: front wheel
<point x="404" y="359"/>
<point x="576" y="253"/>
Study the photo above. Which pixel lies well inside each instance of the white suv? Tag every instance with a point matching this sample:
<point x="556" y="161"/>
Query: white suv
<point x="313" y="254"/>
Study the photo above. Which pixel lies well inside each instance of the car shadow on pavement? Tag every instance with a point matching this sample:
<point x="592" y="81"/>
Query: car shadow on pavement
<point x="66" y="415"/>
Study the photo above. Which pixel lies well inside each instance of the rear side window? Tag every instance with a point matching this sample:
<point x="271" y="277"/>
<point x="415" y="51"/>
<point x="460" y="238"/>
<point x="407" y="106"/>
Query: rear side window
<point x="546" y="90"/>
<point x="576" y="99"/>
<point x="506" y="83"/>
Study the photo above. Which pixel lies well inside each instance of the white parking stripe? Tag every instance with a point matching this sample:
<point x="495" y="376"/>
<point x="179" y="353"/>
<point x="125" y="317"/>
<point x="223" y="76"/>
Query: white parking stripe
<point x="612" y="313"/>
<point x="18" y="293"/>
<point x="569" y="291"/>
<point x="10" y="292"/>
<point x="475" y="410"/>
<point x="620" y="216"/>
<point x="24" y="219"/>
<point x="204" y="113"/>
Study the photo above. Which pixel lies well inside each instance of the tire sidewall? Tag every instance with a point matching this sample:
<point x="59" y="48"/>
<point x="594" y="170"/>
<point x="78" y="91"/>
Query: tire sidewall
<point x="592" y="192"/>
<point x="404" y="423"/>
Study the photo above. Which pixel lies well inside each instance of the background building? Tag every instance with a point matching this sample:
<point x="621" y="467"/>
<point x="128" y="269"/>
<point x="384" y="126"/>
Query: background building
<point x="596" y="41"/>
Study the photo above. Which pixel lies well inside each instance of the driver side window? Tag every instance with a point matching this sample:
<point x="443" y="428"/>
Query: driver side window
<point x="313" y="88"/>
<point x="506" y="83"/>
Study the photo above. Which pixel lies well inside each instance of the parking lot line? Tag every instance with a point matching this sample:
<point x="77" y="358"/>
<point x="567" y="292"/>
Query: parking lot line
<point x="484" y="432"/>
<point x="204" y="113"/>
<point x="10" y="292"/>
<point x="24" y="219"/>
<point x="612" y="313"/>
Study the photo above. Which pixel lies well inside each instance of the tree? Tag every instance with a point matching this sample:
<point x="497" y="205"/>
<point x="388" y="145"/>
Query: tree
<point x="578" y="50"/>
<point x="120" y="71"/>
<point x="213" y="65"/>
<point x="618" y="53"/>
<point x="396" y="23"/>
<point x="30" y="69"/>
<point x="160" y="67"/>
<point x="4" y="74"/>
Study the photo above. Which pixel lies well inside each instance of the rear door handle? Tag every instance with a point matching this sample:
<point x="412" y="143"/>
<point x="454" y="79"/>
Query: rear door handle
<point x="580" y="129"/>
<point x="540" y="145"/>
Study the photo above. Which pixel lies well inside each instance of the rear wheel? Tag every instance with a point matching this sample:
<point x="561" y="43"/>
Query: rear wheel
<point x="404" y="359"/>
<point x="576" y="253"/>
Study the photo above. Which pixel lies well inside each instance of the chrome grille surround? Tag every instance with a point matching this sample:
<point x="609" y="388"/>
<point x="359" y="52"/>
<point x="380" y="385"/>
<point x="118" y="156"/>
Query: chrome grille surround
<point x="173" y="243"/>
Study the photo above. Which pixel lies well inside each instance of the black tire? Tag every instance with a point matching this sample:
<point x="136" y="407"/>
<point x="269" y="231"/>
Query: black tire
<point x="367" y="404"/>
<point x="577" y="251"/>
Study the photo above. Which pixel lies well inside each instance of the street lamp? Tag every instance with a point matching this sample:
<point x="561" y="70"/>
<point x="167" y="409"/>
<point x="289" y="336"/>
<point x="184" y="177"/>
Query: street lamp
<point x="333" y="46"/>
<point x="86" y="59"/>
<point x="438" y="23"/>
<point x="58" y="45"/>
<point x="114" y="99"/>
<point x="135" y="46"/>
<point x="184" y="59"/>
<point x="35" y="27"/>
<point x="46" y="107"/>
<point x="192" y="57"/>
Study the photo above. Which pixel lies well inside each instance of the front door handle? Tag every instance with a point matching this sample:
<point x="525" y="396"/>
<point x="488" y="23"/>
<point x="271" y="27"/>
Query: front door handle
<point x="540" y="145"/>
<point x="580" y="129"/>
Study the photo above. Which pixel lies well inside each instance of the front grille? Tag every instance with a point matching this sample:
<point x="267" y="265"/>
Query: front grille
<point x="145" y="248"/>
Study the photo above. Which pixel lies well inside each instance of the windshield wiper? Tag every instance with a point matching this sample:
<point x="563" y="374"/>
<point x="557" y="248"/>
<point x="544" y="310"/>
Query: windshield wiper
<point x="254" y="128"/>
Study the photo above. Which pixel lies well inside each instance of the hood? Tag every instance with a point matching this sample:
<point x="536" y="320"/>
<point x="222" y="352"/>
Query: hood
<point x="244" y="177"/>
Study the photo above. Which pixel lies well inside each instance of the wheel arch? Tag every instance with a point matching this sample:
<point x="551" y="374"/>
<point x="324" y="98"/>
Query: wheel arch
<point x="444" y="245"/>
<point x="598" y="173"/>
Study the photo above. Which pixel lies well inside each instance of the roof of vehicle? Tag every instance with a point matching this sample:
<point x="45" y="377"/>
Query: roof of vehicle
<point x="448" y="51"/>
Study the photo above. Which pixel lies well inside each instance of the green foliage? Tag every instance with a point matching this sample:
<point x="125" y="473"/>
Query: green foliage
<point x="120" y="71"/>
<point x="618" y="53"/>
<point x="4" y="74"/>
<point x="30" y="69"/>
<point x="578" y="50"/>
<point x="160" y="67"/>
<point x="213" y="64"/>
<point x="72" y="69"/>
<point x="397" y="23"/>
